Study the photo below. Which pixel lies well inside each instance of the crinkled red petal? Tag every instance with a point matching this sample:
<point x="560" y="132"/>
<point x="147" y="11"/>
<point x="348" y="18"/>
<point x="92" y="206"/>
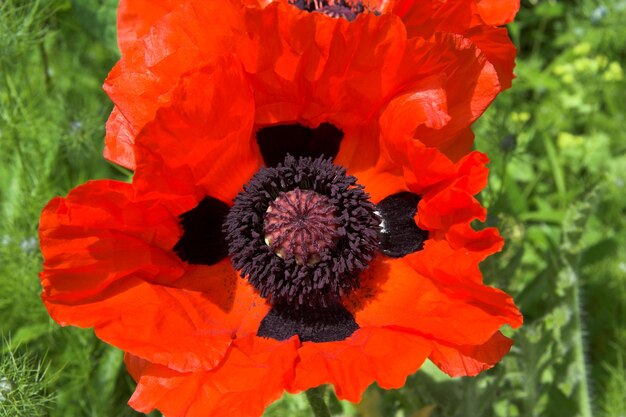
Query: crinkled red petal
<point x="119" y="140"/>
<point x="295" y="77"/>
<point x="253" y="374"/>
<point x="86" y="237"/>
<point x="461" y="145"/>
<point x="423" y="18"/>
<point x="470" y="360"/>
<point x="371" y="354"/>
<point x="393" y="293"/>
<point x="370" y="164"/>
<point x="460" y="255"/>
<point x="470" y="85"/>
<point x="499" y="50"/>
<point x="109" y="264"/>
<point x="201" y="143"/>
<point x="186" y="39"/>
<point x="438" y="292"/>
<point x="498" y="12"/>
<point x="136" y="17"/>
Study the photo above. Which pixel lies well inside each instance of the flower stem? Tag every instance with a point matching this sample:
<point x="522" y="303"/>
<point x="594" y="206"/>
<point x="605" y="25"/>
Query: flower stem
<point x="316" y="400"/>
<point x="584" y="392"/>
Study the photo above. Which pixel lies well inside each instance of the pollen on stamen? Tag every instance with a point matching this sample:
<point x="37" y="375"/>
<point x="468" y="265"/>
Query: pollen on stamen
<point x="301" y="224"/>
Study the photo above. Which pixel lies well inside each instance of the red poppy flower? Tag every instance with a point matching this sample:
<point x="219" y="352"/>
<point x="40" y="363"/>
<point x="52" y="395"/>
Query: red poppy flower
<point x="451" y="51"/>
<point x="358" y="257"/>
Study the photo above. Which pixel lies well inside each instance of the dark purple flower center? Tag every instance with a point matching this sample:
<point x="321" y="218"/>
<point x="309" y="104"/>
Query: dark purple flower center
<point x="301" y="232"/>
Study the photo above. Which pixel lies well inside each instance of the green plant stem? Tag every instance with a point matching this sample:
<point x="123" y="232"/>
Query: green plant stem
<point x="584" y="396"/>
<point x="46" y="66"/>
<point x="557" y="169"/>
<point x="316" y="400"/>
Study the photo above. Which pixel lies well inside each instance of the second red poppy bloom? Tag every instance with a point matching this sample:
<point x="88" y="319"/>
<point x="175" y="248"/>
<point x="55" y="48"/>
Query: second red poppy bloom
<point x="444" y="58"/>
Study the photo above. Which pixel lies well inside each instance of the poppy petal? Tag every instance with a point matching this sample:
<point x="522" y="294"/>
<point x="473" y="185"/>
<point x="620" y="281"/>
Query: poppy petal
<point x="179" y="328"/>
<point x="470" y="360"/>
<point x="462" y="259"/>
<point x="119" y="140"/>
<point x="393" y="293"/>
<point x="471" y="85"/>
<point x="499" y="50"/>
<point x="460" y="145"/>
<point x="108" y="264"/>
<point x="371" y="354"/>
<point x="364" y="159"/>
<point x="135" y="17"/>
<point x="85" y="235"/>
<point x="474" y="20"/>
<point x="452" y="202"/>
<point x="423" y="18"/>
<point x="498" y="12"/>
<point x="176" y="43"/>
<point x="443" y="105"/>
<point x="449" y="207"/>
<point x="295" y="78"/>
<point x="251" y="376"/>
<point x="120" y="315"/>
<point x="201" y="144"/>
<point x="438" y="175"/>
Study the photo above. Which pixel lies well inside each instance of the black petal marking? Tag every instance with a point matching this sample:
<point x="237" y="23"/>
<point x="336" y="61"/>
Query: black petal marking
<point x="203" y="242"/>
<point x="298" y="141"/>
<point x="316" y="325"/>
<point x="399" y="235"/>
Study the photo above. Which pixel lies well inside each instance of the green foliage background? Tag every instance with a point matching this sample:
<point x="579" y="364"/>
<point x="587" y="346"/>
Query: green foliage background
<point x="557" y="141"/>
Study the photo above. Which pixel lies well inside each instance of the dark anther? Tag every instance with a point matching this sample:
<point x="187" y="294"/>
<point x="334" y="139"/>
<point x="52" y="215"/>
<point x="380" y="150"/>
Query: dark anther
<point x="339" y="11"/>
<point x="399" y="235"/>
<point x="317" y="325"/>
<point x="276" y="142"/>
<point x="346" y="9"/>
<point x="202" y="241"/>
